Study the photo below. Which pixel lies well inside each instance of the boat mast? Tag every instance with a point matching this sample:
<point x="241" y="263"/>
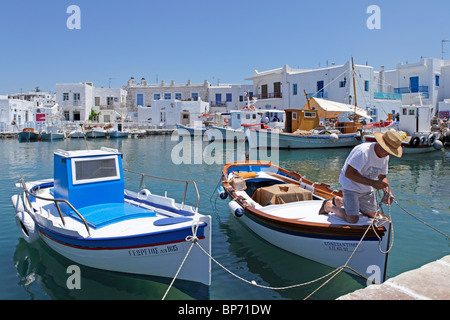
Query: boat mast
<point x="354" y="94"/>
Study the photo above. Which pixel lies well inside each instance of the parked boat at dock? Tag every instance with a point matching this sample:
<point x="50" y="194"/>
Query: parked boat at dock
<point x="96" y="133"/>
<point x="52" y="133"/>
<point x="85" y="214"/>
<point x="282" y="207"/>
<point x="28" y="134"/>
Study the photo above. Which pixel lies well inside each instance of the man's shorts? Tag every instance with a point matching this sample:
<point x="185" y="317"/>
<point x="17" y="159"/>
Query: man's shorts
<point x="355" y="202"/>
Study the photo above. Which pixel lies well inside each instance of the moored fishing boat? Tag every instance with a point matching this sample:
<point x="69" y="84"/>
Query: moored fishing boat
<point x="28" y="134"/>
<point x="282" y="207"/>
<point x="85" y="214"/>
<point x="190" y="130"/>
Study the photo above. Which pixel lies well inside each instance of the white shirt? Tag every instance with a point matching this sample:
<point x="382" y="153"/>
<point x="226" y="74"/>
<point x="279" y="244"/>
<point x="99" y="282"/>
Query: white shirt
<point x="364" y="159"/>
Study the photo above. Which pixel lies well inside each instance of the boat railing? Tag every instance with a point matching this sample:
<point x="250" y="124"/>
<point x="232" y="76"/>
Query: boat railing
<point x="187" y="182"/>
<point x="56" y="201"/>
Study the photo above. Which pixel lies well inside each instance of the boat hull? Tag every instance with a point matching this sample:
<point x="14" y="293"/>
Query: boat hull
<point x="118" y="134"/>
<point x="278" y="140"/>
<point x="225" y="134"/>
<point x="95" y="134"/>
<point x="189" y="131"/>
<point x="157" y="254"/>
<point x="408" y="148"/>
<point x="52" y="136"/>
<point x="325" y="249"/>
<point x="28" y="136"/>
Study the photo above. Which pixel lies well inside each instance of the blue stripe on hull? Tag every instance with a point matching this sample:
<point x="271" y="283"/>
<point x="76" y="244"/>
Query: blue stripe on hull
<point x="115" y="243"/>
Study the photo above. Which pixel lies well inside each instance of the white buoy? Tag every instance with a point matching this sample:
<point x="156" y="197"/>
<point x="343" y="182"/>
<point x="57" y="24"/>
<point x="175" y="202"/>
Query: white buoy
<point x="334" y="137"/>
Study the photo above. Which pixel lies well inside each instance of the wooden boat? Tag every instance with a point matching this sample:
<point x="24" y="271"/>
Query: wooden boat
<point x="85" y="214"/>
<point x="28" y="134"/>
<point x="282" y="208"/>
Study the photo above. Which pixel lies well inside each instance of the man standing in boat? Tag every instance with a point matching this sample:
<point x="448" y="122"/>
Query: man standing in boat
<point x="364" y="171"/>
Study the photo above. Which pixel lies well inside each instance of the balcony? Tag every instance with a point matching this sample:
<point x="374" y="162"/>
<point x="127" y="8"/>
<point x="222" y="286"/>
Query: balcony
<point x="271" y="95"/>
<point x="418" y="89"/>
<point x="320" y="94"/>
<point x="387" y="95"/>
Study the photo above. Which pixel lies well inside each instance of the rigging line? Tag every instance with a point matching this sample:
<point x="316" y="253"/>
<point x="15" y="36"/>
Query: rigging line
<point x="335" y="79"/>
<point x="428" y="225"/>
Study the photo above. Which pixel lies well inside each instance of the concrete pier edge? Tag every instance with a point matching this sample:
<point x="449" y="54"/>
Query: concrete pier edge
<point x="429" y="282"/>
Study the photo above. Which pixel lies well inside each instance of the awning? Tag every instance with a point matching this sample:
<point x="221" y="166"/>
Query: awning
<point x="332" y="109"/>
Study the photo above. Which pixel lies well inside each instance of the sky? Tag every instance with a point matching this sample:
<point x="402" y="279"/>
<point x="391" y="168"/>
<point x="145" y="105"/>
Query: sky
<point x="197" y="40"/>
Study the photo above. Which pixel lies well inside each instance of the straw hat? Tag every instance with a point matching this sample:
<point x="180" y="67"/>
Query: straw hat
<point x="391" y="142"/>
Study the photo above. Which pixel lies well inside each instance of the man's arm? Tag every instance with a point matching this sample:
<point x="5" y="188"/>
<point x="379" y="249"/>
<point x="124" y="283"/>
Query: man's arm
<point x="353" y="174"/>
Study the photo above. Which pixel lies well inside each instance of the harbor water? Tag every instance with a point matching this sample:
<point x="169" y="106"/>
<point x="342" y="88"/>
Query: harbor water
<point x="420" y="183"/>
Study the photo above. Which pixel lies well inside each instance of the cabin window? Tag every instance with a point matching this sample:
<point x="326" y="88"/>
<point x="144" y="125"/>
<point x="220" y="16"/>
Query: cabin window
<point x="294" y="115"/>
<point x="309" y="114"/>
<point x="95" y="169"/>
<point x="411" y="112"/>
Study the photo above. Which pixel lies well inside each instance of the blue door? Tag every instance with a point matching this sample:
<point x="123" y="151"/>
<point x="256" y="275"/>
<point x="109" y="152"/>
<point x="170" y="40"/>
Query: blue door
<point x="414" y="84"/>
<point x="319" y="89"/>
<point x="218" y="97"/>
<point x="140" y="99"/>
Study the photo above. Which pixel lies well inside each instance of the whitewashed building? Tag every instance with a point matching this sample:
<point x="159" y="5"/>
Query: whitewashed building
<point x="15" y="113"/>
<point x="144" y="94"/>
<point x="288" y="88"/>
<point x="227" y="97"/>
<point x="78" y="99"/>
<point x="167" y="113"/>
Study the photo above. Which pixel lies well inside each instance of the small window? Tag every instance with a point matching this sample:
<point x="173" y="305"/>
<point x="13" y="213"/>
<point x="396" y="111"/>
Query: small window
<point x="404" y="111"/>
<point x="65" y="96"/>
<point x="194" y="96"/>
<point x="411" y="112"/>
<point x="342" y="84"/>
<point x="294" y="115"/>
<point x="294" y="89"/>
<point x="309" y="114"/>
<point x="229" y="97"/>
<point x="167" y="96"/>
<point x="178" y="95"/>
<point x="366" y="85"/>
<point x="156" y="96"/>
<point x="437" y="80"/>
<point x="87" y="170"/>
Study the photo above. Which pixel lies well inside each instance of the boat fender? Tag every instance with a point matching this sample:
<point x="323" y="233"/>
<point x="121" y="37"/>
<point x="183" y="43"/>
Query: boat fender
<point x="222" y="194"/>
<point x="334" y="137"/>
<point x="236" y="209"/>
<point x="414" y="142"/>
<point x="438" y="145"/>
<point x="17" y="203"/>
<point x="27" y="226"/>
<point x="431" y="139"/>
<point x="423" y="140"/>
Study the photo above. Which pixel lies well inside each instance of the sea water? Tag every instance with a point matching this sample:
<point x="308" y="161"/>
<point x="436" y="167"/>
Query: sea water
<point x="420" y="183"/>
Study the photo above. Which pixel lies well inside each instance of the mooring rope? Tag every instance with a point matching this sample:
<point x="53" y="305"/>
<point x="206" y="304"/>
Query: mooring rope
<point x="193" y="239"/>
<point x="331" y="274"/>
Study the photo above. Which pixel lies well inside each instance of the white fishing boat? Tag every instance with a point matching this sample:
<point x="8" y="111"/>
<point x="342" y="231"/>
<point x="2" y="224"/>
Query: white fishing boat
<point x="85" y="214"/>
<point x="52" y="133"/>
<point x="304" y="128"/>
<point x="243" y="120"/>
<point x="282" y="207"/>
<point x="76" y="134"/>
<point x="96" y="132"/>
<point x="191" y="130"/>
<point x="117" y="131"/>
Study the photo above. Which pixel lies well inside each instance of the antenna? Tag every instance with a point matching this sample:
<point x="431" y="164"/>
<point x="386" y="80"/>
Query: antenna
<point x="110" y="81"/>
<point x="442" y="48"/>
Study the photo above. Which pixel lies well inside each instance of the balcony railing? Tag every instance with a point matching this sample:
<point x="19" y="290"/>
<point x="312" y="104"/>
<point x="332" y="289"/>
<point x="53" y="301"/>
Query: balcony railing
<point x="268" y="95"/>
<point x="387" y="95"/>
<point x="320" y="94"/>
<point x="421" y="89"/>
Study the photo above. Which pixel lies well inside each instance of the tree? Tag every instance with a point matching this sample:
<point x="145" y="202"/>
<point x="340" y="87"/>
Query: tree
<point x="94" y="115"/>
